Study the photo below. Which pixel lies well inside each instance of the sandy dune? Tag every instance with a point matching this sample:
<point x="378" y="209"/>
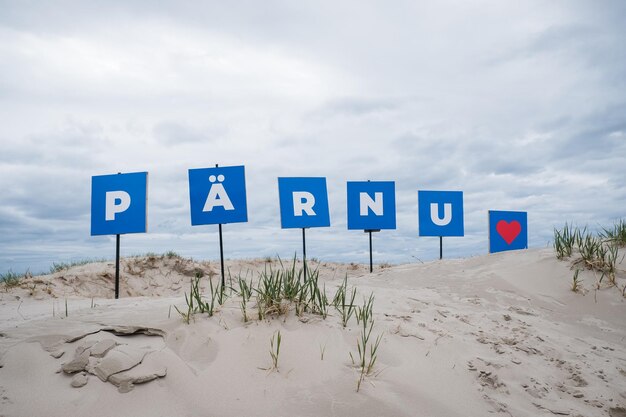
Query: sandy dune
<point x="498" y="334"/>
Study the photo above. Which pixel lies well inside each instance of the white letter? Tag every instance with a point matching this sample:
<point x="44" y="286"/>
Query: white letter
<point x="447" y="214"/>
<point x="303" y="201"/>
<point x="376" y="205"/>
<point x="111" y="208"/>
<point x="217" y="197"/>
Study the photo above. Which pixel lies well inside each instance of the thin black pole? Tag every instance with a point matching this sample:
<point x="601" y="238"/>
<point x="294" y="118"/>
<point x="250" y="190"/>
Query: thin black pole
<point x="304" y="251"/>
<point x="117" y="263"/>
<point x="440" y="247"/>
<point x="117" y="266"/>
<point x="222" y="252"/>
<point x="371" y="260"/>
<point x="222" y="258"/>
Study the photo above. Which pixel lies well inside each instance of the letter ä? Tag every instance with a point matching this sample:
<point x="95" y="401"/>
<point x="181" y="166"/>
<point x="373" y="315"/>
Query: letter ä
<point x="217" y="198"/>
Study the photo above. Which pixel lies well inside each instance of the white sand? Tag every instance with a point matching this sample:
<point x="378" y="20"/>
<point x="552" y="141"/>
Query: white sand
<point x="499" y="334"/>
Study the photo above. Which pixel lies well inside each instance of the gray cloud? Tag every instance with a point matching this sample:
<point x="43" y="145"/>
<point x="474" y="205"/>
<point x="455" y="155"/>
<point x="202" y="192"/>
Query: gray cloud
<point x="520" y="106"/>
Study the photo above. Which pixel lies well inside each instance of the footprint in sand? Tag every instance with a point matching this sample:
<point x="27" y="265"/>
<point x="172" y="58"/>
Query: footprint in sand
<point x="197" y="352"/>
<point x="617" y="412"/>
<point x="3" y="398"/>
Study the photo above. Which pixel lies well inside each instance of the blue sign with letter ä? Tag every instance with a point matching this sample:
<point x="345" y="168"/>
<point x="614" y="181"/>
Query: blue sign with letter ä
<point x="508" y="230"/>
<point x="119" y="203"/>
<point x="218" y="195"/>
<point x="371" y="205"/>
<point x="441" y="213"/>
<point x="303" y="202"/>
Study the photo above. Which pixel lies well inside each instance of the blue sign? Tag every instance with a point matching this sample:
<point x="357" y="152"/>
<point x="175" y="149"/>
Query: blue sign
<point x="508" y="230"/>
<point x="119" y="203"/>
<point x="441" y="213"/>
<point x="218" y="195"/>
<point x="371" y="205"/>
<point x="303" y="202"/>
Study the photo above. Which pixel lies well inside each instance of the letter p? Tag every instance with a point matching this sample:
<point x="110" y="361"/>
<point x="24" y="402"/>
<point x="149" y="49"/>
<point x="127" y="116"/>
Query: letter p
<point x="116" y="202"/>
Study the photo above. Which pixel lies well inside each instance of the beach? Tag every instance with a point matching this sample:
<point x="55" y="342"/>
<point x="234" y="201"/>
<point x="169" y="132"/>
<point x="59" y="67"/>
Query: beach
<point x="500" y="334"/>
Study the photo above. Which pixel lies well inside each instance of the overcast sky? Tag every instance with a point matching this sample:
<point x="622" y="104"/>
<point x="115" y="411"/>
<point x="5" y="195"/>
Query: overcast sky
<point x="521" y="105"/>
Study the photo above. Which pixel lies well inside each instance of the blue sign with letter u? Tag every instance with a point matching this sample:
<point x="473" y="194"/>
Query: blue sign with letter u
<point x="119" y="203"/>
<point x="303" y="202"/>
<point x="371" y="205"/>
<point x="218" y="195"/>
<point x="441" y="213"/>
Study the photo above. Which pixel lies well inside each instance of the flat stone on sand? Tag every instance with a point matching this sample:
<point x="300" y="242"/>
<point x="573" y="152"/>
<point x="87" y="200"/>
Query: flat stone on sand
<point x="101" y="348"/>
<point x="57" y="354"/>
<point x="80" y="380"/>
<point x="143" y="372"/>
<point x="84" y="347"/>
<point x="123" y="330"/>
<point x="78" y="364"/>
<point x="119" y="359"/>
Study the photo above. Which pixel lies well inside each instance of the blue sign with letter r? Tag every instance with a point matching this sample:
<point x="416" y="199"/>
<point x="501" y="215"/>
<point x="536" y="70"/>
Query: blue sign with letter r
<point x="303" y="202"/>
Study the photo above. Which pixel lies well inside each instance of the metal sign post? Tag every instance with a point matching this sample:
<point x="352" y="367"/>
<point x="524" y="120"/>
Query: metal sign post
<point x="440" y="247"/>
<point x="117" y="266"/>
<point x="218" y="196"/>
<point x="221" y="252"/>
<point x="117" y="263"/>
<point x="371" y="257"/>
<point x="222" y="257"/>
<point x="440" y="214"/>
<point x="370" y="231"/>
<point x="304" y="251"/>
<point x="303" y="204"/>
<point x="119" y="206"/>
<point x="371" y="208"/>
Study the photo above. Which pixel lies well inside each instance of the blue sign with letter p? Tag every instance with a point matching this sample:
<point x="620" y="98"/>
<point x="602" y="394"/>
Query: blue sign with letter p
<point x="371" y="205"/>
<point x="303" y="202"/>
<point x="119" y="203"/>
<point x="441" y="213"/>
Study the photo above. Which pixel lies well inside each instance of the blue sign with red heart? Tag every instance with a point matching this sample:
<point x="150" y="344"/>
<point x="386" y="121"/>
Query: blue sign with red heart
<point x="508" y="230"/>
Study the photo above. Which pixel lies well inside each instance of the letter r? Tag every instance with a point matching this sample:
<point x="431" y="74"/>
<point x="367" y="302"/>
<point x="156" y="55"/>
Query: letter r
<point x="303" y="201"/>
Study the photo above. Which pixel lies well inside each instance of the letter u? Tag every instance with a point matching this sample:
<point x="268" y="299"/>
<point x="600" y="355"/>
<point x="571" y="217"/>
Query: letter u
<point x="447" y="214"/>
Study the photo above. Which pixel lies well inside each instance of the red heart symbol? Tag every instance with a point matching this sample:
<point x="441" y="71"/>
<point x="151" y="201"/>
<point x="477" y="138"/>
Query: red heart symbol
<point x="508" y="231"/>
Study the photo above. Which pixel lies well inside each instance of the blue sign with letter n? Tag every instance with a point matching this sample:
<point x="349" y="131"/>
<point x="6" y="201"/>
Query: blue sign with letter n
<point x="441" y="213"/>
<point x="371" y="205"/>
<point x="303" y="202"/>
<point x="218" y="195"/>
<point x="119" y="203"/>
<point x="508" y="230"/>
